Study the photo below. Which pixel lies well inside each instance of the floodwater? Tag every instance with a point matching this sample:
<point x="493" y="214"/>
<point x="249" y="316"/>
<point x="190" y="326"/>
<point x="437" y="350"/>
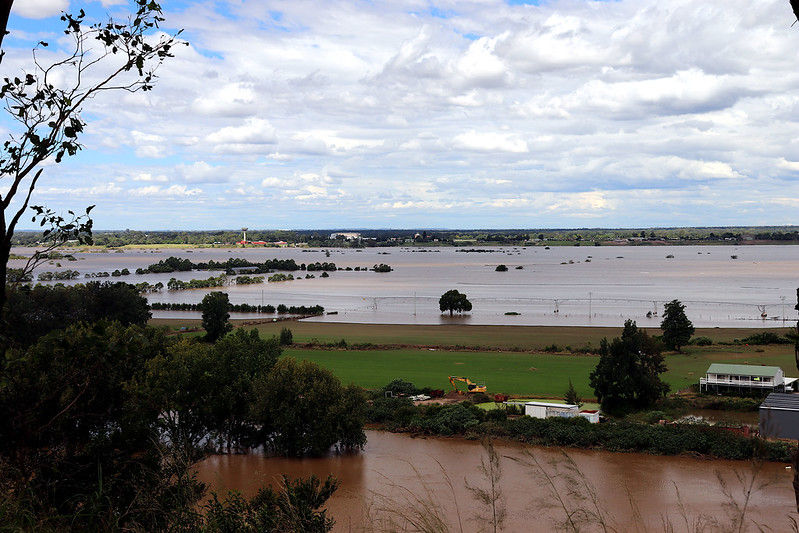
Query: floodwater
<point x="395" y="470"/>
<point x="574" y="286"/>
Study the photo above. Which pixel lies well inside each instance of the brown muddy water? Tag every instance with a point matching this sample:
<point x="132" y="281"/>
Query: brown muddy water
<point x="395" y="470"/>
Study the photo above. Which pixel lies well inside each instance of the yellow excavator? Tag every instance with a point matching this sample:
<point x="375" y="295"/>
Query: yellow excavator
<point x="471" y="387"/>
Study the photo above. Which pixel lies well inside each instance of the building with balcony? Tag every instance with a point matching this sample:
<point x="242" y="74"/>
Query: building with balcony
<point x="745" y="378"/>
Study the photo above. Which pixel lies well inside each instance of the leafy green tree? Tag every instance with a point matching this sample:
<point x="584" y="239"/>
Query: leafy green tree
<point x="179" y="385"/>
<point x="32" y="312"/>
<point x="238" y="360"/>
<point x="677" y="329"/>
<point x="627" y="375"/>
<point x="215" y="306"/>
<point x="46" y="101"/>
<point x="286" y="337"/>
<point x="302" y="409"/>
<point x="571" y="396"/>
<point x="453" y="301"/>
<point x="295" y="506"/>
<point x="78" y="450"/>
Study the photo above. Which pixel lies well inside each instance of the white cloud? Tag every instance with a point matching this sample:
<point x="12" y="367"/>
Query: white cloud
<point x="490" y="142"/>
<point x="39" y="9"/>
<point x="532" y="115"/>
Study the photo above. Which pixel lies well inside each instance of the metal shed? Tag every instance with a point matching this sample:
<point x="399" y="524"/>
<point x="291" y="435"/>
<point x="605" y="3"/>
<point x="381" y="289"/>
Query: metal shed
<point x="779" y="416"/>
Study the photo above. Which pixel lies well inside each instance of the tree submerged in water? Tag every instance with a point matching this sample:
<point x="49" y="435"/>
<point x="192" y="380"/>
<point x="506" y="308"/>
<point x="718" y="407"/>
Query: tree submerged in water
<point x="454" y="301"/>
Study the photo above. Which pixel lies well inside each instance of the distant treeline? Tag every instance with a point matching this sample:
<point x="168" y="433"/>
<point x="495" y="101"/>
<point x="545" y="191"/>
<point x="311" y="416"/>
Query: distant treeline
<point x="369" y="238"/>
<point x="245" y="308"/>
<point x="234" y="265"/>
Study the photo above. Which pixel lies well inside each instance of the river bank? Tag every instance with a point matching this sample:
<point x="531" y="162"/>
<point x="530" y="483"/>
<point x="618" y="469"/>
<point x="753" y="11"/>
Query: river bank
<point x="635" y="491"/>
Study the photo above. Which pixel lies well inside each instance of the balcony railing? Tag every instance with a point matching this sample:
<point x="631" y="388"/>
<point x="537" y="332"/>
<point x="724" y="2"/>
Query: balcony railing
<point x="737" y="382"/>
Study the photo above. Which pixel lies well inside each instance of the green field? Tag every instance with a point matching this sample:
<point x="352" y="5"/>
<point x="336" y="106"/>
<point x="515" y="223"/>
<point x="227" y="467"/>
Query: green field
<point x="519" y="373"/>
<point x="403" y="353"/>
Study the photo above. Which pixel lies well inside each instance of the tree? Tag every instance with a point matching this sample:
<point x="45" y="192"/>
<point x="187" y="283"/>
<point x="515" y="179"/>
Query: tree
<point x="627" y="375"/>
<point x="215" y="306"/>
<point x="46" y="102"/>
<point x="77" y="447"/>
<point x="294" y="506"/>
<point x="453" y="301"/>
<point x="571" y="397"/>
<point x="501" y="268"/>
<point x="677" y="329"/>
<point x="302" y="409"/>
<point x="239" y="360"/>
<point x="32" y="312"/>
<point x="286" y="337"/>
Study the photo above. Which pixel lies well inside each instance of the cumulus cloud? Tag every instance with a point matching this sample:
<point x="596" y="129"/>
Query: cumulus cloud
<point x="39" y="9"/>
<point x="634" y="112"/>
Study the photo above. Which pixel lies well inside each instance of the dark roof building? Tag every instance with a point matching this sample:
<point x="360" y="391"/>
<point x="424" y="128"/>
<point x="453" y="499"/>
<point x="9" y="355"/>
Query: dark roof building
<point x="779" y="416"/>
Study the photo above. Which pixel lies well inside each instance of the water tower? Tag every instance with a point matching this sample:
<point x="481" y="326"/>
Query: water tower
<point x="245" y="235"/>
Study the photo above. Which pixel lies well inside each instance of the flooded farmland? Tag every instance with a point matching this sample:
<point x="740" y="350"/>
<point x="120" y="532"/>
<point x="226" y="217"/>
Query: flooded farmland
<point x="722" y="286"/>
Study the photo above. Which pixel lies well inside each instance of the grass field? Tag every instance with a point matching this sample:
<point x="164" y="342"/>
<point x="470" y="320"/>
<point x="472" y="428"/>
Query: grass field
<point x="519" y="373"/>
<point x="538" y="374"/>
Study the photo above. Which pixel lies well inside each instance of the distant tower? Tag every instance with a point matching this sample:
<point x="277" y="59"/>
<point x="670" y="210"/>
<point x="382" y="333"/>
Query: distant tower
<point x="245" y="234"/>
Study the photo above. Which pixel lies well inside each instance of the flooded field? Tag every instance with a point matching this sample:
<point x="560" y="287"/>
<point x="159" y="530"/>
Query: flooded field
<point x="395" y="469"/>
<point x="722" y="286"/>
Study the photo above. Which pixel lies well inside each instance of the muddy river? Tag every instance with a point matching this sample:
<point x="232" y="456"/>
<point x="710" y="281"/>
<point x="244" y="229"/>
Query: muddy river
<point x="396" y="473"/>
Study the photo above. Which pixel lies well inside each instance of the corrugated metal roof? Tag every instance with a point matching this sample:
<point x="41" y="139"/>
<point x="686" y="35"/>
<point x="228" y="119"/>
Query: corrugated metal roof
<point x="743" y="370"/>
<point x="781" y="400"/>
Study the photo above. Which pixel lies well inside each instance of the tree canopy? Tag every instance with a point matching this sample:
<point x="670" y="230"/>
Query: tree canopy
<point x="627" y="375"/>
<point x="215" y="306"/>
<point x="677" y="329"/>
<point x="454" y="301"/>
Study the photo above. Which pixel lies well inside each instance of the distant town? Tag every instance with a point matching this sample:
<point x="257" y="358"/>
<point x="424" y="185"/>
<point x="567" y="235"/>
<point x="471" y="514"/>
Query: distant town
<point x="358" y="238"/>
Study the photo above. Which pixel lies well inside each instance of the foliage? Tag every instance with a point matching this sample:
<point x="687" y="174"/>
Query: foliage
<point x="382" y="267"/>
<point x="34" y="311"/>
<point x="303" y="409"/>
<point x="286" y="337"/>
<point x="214" y="281"/>
<point x="677" y="329"/>
<point x="571" y="397"/>
<point x="627" y="375"/>
<point x="295" y="506"/>
<point x="215" y="306"/>
<point x="448" y="419"/>
<point x="45" y="104"/>
<point x="501" y="268"/>
<point x="701" y="341"/>
<point x="76" y="445"/>
<point x="400" y="387"/>
<point x="764" y="337"/>
<point x="463" y="418"/>
<point x="453" y="301"/>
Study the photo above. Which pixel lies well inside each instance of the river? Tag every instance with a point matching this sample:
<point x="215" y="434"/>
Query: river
<point x="658" y="486"/>
<point x="570" y="286"/>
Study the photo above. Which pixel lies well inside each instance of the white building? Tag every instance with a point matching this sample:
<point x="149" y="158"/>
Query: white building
<point x="345" y="236"/>
<point x="723" y="377"/>
<point x="546" y="410"/>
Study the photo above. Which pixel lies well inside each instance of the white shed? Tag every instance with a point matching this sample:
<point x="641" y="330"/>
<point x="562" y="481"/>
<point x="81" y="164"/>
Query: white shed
<point x="545" y="410"/>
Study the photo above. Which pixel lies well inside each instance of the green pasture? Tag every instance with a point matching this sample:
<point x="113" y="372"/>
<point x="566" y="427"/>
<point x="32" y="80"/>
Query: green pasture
<point x="539" y="375"/>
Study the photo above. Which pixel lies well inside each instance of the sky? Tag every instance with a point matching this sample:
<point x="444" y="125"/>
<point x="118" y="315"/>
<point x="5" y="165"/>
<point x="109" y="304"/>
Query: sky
<point x="453" y="114"/>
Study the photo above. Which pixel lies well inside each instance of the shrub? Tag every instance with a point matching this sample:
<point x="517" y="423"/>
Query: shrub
<point x="501" y="268"/>
<point x="286" y="337"/>
<point x="400" y="387"/>
<point x="701" y="341"/>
